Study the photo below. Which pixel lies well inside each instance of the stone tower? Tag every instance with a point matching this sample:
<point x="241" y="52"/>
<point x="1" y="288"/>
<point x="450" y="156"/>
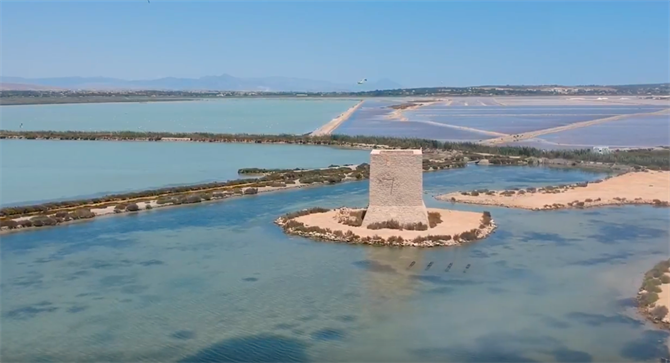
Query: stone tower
<point x="396" y="187"/>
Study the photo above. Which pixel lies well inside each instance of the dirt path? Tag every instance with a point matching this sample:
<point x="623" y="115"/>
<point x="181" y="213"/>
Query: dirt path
<point x="333" y="124"/>
<point x="576" y="125"/>
<point x="470" y="129"/>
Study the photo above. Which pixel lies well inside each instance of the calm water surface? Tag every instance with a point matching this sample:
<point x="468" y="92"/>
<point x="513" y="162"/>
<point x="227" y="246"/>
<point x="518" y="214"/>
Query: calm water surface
<point x="220" y="282"/>
<point x="635" y="131"/>
<point x="37" y="171"/>
<point x="267" y="116"/>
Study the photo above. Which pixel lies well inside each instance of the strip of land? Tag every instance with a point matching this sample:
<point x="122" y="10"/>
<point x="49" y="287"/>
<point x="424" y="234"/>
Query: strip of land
<point x="654" y="295"/>
<point x="638" y="188"/>
<point x="470" y="129"/>
<point x="576" y="125"/>
<point x="333" y="124"/>
<point x="399" y="110"/>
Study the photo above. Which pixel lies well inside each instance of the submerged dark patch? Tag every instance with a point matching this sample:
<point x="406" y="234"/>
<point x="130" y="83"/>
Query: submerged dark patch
<point x="567" y="355"/>
<point x="547" y="237"/>
<point x="599" y="319"/>
<point x="649" y="347"/>
<point x="29" y="312"/>
<point x="257" y="348"/>
<point x="152" y="263"/>
<point x="374" y="266"/>
<point x="612" y="233"/>
<point x="250" y="279"/>
<point x="76" y="309"/>
<point x="183" y="335"/>
<point x="328" y="334"/>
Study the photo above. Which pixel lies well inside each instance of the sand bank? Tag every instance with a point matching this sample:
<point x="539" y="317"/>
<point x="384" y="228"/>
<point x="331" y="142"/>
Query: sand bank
<point x="649" y="187"/>
<point x="145" y="205"/>
<point x="534" y="134"/>
<point x="457" y="227"/>
<point x="398" y="114"/>
<point x="333" y="124"/>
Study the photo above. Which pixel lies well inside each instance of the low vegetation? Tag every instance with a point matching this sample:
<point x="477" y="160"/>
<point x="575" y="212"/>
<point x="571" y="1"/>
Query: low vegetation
<point x="650" y="158"/>
<point x="434" y="218"/>
<point x="655" y="280"/>
<point x="393" y="224"/>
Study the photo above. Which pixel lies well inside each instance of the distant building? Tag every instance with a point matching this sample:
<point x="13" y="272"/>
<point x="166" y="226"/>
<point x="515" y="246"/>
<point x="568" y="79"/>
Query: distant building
<point x="601" y="150"/>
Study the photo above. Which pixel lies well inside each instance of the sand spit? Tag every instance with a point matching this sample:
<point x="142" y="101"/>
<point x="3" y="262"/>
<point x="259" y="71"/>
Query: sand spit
<point x="637" y="188"/>
<point x="333" y="124"/>
<point x="654" y="295"/>
<point x="455" y="228"/>
<point x="399" y="113"/>
<point x="464" y="128"/>
<point x="60" y="218"/>
<point x="576" y="125"/>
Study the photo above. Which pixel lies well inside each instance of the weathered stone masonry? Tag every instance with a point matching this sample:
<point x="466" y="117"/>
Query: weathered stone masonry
<point x="396" y="187"/>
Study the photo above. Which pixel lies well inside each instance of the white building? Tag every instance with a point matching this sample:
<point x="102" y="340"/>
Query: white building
<point x="601" y="150"/>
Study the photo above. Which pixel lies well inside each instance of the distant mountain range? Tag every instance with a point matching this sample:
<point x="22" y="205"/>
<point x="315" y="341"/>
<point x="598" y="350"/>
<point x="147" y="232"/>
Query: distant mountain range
<point x="223" y="82"/>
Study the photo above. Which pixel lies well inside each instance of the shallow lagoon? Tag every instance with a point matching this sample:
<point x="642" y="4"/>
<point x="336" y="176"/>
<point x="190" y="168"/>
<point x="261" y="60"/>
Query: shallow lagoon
<point x="41" y="170"/>
<point x="649" y="131"/>
<point x="513" y="120"/>
<point x="220" y="282"/>
<point x="259" y="116"/>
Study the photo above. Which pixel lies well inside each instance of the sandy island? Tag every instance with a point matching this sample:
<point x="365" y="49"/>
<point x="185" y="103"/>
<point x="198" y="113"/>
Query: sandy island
<point x="645" y="187"/>
<point x="454" y="228"/>
<point x="333" y="124"/>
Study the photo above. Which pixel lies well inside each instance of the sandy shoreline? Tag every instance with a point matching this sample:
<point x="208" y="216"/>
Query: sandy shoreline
<point x="654" y="295"/>
<point x="637" y="188"/>
<point x="455" y="228"/>
<point x="142" y="207"/>
<point x="333" y="124"/>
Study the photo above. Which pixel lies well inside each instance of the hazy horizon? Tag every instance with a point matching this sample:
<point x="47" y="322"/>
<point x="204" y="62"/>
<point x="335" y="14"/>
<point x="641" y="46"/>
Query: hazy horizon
<point x="456" y="44"/>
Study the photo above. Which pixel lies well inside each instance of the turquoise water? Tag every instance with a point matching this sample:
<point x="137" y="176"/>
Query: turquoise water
<point x="268" y="116"/>
<point x="37" y="171"/>
<point x="220" y="282"/>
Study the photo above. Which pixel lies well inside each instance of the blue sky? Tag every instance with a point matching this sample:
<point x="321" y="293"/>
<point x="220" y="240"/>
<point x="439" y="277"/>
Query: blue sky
<point x="413" y="43"/>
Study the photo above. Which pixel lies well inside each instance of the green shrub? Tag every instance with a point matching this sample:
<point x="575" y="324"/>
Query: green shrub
<point x="148" y="206"/>
<point x="40" y="221"/>
<point x="418" y="226"/>
<point x="649" y="298"/>
<point x="25" y="223"/>
<point x="163" y="200"/>
<point x="659" y="312"/>
<point x="390" y="224"/>
<point x="250" y="191"/>
<point x="132" y="207"/>
<point x="120" y="208"/>
<point x="83" y="213"/>
<point x="11" y="224"/>
<point x="434" y="218"/>
<point x="355" y="218"/>
<point x="665" y="279"/>
<point x="190" y="199"/>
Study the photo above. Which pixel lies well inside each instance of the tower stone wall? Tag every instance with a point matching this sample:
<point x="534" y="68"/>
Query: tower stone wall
<point x="396" y="187"/>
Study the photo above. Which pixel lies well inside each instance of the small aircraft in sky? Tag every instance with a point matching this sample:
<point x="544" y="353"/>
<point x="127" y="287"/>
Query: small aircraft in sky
<point x="362" y="81"/>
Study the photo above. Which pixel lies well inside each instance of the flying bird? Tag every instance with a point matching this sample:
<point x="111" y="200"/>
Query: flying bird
<point x="362" y="81"/>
